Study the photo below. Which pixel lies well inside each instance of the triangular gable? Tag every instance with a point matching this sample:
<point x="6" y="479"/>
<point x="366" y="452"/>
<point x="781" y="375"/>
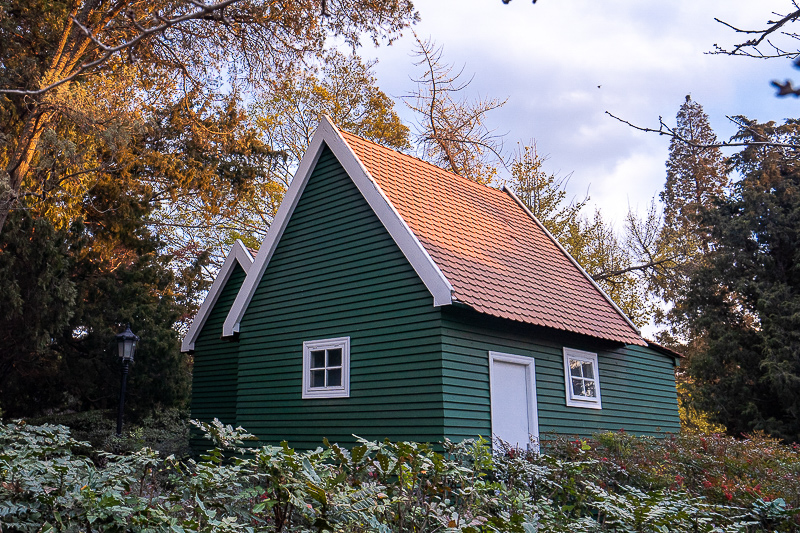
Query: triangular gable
<point x="237" y="255"/>
<point x="328" y="135"/>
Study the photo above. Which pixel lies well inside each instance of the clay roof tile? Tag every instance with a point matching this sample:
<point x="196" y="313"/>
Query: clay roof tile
<point x="495" y="255"/>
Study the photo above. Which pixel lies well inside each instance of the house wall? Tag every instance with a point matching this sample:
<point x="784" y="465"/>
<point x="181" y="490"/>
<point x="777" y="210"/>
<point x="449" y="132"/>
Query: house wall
<point x="637" y="384"/>
<point x="215" y="371"/>
<point x="336" y="272"/>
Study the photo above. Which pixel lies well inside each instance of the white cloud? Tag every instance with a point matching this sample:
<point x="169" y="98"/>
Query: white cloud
<point x="549" y="59"/>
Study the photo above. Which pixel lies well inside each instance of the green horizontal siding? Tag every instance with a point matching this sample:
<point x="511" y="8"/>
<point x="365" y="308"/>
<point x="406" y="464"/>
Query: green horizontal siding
<point x="215" y="370"/>
<point x="637" y="385"/>
<point x="336" y="272"/>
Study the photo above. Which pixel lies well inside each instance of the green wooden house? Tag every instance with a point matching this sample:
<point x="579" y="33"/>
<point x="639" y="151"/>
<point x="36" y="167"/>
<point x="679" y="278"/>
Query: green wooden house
<point x="392" y="299"/>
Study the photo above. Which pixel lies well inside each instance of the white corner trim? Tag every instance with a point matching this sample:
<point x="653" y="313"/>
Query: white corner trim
<point x="237" y="254"/>
<point x="328" y="135"/>
<point x="581" y="355"/>
<point x="574" y="262"/>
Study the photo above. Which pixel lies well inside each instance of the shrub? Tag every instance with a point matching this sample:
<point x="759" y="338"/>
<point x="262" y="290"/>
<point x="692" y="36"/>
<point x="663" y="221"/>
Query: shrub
<point x="381" y="487"/>
<point x="165" y="431"/>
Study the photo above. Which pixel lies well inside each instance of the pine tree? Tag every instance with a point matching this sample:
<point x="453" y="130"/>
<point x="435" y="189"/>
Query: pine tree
<point x="695" y="172"/>
<point x="696" y="175"/>
<point x="743" y="300"/>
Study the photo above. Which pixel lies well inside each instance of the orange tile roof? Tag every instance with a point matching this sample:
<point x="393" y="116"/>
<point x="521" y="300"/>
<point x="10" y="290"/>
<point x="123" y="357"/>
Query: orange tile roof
<point x="498" y="260"/>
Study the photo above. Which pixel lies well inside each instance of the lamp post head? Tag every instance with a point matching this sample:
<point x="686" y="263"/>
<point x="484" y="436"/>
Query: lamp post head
<point x="126" y="344"/>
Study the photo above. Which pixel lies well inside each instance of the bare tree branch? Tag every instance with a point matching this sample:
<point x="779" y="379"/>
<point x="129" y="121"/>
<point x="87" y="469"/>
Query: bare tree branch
<point x="452" y="129"/>
<point x="762" y="36"/>
<point x="633" y="268"/>
<point x="664" y="129"/>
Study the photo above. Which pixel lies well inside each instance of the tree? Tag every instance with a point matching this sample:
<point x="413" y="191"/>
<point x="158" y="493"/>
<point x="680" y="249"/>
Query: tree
<point x="695" y="176"/>
<point x="56" y="55"/>
<point x="544" y="194"/>
<point x="451" y="131"/>
<point x="338" y="85"/>
<point x="744" y="302"/>
<point x="70" y="292"/>
<point x="284" y="118"/>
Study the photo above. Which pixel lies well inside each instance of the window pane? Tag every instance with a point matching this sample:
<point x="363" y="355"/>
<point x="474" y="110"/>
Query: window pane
<point x="335" y="377"/>
<point x="590" y="391"/>
<point x="318" y="359"/>
<point x="587" y="371"/>
<point x="335" y="357"/>
<point x="317" y="378"/>
<point x="577" y="387"/>
<point x="575" y="367"/>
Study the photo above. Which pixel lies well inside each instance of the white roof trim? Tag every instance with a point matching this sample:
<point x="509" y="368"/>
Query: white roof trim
<point x="574" y="262"/>
<point x="238" y="254"/>
<point x="421" y="261"/>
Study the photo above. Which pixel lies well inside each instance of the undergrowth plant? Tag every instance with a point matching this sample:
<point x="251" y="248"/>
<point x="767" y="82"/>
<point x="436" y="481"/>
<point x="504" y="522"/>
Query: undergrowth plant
<point x="614" y="483"/>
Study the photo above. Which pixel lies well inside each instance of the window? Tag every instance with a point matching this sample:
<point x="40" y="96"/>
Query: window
<point x="581" y="379"/>
<point x="326" y="368"/>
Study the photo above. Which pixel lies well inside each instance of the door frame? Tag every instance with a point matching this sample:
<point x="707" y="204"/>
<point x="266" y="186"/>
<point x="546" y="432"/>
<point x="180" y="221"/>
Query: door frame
<point x="530" y="383"/>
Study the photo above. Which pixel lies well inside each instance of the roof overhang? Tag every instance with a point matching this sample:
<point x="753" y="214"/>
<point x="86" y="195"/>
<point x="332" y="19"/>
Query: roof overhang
<point x="522" y="205"/>
<point x="237" y="255"/>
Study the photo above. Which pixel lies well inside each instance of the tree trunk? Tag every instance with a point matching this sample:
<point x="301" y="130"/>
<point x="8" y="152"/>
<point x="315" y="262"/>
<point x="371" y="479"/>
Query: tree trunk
<point x="20" y="161"/>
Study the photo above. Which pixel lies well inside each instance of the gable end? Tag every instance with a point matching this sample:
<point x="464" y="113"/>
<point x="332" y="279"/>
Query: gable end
<point x="328" y="135"/>
<point x="238" y="255"/>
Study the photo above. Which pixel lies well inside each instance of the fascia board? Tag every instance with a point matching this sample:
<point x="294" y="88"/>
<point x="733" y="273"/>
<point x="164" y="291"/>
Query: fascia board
<point x="328" y="135"/>
<point x="416" y="254"/>
<point x="270" y="242"/>
<point x="574" y="262"/>
<point x="238" y="254"/>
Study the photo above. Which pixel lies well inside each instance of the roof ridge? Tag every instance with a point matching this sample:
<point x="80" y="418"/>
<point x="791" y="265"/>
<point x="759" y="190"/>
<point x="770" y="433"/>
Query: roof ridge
<point x="437" y="167"/>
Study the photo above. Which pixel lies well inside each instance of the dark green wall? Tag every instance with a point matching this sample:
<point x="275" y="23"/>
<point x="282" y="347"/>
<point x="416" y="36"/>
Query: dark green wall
<point x="637" y="384"/>
<point x="215" y="371"/>
<point x="336" y="272"/>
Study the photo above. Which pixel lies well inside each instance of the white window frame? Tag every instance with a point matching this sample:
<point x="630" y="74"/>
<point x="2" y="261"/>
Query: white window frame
<point x="581" y="401"/>
<point x="342" y="391"/>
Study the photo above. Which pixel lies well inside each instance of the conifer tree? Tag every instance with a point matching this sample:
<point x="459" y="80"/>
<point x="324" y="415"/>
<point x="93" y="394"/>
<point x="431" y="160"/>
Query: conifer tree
<point x="695" y="173"/>
<point x="743" y="300"/>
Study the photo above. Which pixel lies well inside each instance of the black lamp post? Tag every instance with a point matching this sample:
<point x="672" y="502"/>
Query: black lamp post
<point x="126" y="346"/>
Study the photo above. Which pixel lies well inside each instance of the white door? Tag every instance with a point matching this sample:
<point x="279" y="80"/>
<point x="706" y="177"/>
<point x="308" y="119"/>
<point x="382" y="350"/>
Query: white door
<point x="513" y="398"/>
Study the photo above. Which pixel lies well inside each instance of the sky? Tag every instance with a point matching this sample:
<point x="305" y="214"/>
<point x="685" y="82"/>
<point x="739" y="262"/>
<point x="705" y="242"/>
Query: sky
<point x="563" y="63"/>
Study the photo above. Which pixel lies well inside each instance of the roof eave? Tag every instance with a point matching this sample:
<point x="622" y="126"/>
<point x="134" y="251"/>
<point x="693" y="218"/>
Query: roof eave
<point x="238" y="254"/>
<point x="641" y="340"/>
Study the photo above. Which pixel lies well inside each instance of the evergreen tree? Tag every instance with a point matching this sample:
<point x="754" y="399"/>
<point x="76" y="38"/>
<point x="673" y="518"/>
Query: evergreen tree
<point x="696" y="174"/>
<point x="743" y="302"/>
<point x="72" y="291"/>
<point x="545" y="194"/>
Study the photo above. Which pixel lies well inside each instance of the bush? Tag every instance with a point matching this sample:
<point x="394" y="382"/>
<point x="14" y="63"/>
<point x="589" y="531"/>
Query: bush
<point x="165" y="431"/>
<point x="380" y="487"/>
<point x="721" y="469"/>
